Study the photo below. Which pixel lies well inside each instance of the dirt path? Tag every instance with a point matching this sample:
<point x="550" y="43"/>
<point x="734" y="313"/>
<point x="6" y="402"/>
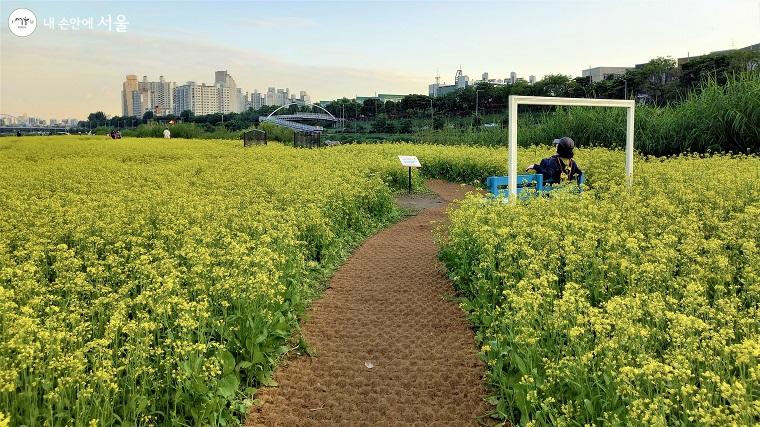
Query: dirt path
<point x="387" y="308"/>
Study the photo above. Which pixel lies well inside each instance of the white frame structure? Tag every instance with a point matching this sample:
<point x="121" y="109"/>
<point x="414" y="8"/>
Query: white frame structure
<point x="515" y="100"/>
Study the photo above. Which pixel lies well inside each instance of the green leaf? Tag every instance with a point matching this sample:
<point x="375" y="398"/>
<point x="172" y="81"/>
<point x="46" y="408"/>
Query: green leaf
<point x="228" y="385"/>
<point x="520" y="363"/>
<point x="589" y="406"/>
<point x="227" y="360"/>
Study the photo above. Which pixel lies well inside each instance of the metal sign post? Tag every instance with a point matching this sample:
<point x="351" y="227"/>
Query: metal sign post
<point x="410" y="162"/>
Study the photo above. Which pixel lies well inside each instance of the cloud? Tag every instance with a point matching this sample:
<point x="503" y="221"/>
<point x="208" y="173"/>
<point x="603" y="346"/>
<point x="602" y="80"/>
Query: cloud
<point x="278" y="23"/>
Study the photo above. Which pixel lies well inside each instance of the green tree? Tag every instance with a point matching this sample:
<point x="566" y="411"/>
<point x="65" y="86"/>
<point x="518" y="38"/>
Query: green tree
<point x="379" y="124"/>
<point x="372" y="107"/>
<point x="553" y="85"/>
<point x="657" y="79"/>
<point x="720" y="66"/>
<point x="97" y="117"/>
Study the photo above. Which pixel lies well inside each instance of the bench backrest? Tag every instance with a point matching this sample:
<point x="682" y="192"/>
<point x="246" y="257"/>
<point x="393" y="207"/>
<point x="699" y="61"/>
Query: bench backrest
<point x="499" y="185"/>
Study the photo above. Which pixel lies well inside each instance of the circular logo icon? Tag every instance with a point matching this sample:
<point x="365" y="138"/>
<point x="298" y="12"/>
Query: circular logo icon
<point x="22" y="22"/>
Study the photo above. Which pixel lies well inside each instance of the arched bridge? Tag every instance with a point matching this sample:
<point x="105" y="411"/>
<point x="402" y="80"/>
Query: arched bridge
<point x="291" y="121"/>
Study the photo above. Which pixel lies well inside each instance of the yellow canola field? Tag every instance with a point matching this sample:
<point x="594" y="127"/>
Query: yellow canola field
<point x="617" y="307"/>
<point x="146" y="281"/>
<point x="151" y="282"/>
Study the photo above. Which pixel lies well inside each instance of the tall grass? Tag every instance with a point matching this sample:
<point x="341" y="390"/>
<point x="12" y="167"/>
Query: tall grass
<point x="277" y="133"/>
<point x="182" y="130"/>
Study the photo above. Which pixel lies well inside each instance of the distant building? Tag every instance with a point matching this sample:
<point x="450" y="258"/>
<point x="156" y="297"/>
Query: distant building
<point x="257" y="100"/>
<point x="304" y="97"/>
<point x="160" y="97"/>
<point x="139" y="97"/>
<point x="223" y="96"/>
<point x="598" y="74"/>
<point x="281" y="96"/>
<point x="200" y="99"/>
<point x="390" y="97"/>
<point x="382" y="97"/>
<point x="461" y="81"/>
<point x="436" y="89"/>
<point x="241" y="100"/>
<point x="532" y="79"/>
<point x="228" y="93"/>
<point x="127" y="89"/>
<point x="485" y="79"/>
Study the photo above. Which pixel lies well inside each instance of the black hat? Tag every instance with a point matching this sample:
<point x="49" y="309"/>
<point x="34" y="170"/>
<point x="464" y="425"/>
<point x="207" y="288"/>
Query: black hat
<point x="565" y="146"/>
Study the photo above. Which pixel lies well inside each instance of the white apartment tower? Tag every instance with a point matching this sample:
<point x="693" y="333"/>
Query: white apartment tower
<point x="257" y="100"/>
<point x="200" y="99"/>
<point x="160" y="95"/>
<point x="231" y="95"/>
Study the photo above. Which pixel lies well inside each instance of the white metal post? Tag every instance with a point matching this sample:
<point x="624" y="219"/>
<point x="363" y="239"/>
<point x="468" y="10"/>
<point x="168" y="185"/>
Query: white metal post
<point x="629" y="129"/>
<point x="512" y="147"/>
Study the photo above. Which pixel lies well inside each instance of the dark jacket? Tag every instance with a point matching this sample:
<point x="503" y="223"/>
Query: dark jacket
<point x="551" y="168"/>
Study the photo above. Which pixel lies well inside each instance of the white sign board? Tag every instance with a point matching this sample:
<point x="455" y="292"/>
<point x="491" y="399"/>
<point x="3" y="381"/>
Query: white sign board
<point x="410" y="161"/>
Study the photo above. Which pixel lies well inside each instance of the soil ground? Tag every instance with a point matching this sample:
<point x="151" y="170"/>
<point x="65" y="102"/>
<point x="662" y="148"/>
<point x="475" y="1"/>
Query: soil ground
<point x="389" y="345"/>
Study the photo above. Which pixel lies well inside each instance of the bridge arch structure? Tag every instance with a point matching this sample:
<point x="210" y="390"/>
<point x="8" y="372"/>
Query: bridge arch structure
<point x="292" y="121"/>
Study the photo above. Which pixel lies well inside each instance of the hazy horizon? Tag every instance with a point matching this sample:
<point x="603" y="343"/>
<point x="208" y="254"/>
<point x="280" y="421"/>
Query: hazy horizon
<point x="337" y="49"/>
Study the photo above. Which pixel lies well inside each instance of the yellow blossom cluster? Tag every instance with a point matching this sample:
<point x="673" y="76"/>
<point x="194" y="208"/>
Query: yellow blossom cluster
<point x="618" y="307"/>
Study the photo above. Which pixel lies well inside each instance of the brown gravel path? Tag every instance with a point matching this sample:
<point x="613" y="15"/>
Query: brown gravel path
<point x="387" y="307"/>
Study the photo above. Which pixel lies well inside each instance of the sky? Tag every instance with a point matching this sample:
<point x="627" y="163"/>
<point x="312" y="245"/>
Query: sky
<point x="342" y="48"/>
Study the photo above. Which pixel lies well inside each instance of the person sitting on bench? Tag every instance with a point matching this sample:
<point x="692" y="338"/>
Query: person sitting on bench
<point x="560" y="167"/>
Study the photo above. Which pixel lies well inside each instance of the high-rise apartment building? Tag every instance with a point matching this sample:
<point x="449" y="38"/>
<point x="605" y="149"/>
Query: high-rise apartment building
<point x="257" y="100"/>
<point x="128" y="88"/>
<point x="270" y="97"/>
<point x="161" y="95"/>
<point x="230" y="97"/>
<point x="201" y="99"/>
<point x="141" y="96"/>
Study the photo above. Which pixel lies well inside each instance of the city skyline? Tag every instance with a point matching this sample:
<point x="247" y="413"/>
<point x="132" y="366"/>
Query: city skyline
<point x="330" y="50"/>
<point x="167" y="96"/>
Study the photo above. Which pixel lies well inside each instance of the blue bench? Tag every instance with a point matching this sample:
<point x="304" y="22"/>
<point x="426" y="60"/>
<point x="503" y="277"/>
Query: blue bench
<point x="499" y="185"/>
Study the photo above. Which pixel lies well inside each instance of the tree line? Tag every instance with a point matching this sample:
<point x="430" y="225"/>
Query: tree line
<point x="659" y="82"/>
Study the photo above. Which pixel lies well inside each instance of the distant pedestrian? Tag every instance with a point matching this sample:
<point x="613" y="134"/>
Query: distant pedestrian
<point x="113" y="133"/>
<point x="18" y="133"/>
<point x="167" y="134"/>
